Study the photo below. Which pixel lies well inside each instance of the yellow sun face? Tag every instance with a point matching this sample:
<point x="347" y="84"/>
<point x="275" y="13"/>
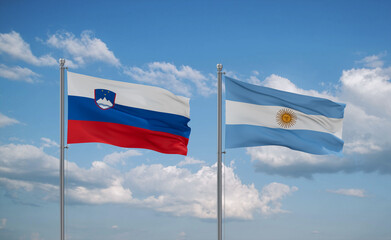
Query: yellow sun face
<point x="286" y="118"/>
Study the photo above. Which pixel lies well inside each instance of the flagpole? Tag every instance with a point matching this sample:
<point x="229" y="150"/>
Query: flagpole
<point x="219" y="152"/>
<point x="62" y="62"/>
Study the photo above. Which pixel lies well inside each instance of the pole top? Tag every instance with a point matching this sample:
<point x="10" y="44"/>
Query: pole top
<point x="62" y="62"/>
<point x="219" y="67"/>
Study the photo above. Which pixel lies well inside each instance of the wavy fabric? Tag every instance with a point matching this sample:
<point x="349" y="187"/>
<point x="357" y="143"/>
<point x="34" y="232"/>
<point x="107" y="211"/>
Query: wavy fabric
<point x="126" y="115"/>
<point x="259" y="116"/>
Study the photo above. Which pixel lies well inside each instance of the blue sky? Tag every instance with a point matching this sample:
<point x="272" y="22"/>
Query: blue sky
<point x="334" y="49"/>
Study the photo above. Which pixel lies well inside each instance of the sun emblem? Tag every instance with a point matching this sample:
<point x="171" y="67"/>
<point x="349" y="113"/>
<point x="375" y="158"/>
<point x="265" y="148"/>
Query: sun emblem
<point x="286" y="118"/>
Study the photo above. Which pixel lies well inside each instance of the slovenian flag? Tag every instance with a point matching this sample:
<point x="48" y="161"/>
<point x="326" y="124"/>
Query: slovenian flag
<point x="258" y="116"/>
<point x="126" y="115"/>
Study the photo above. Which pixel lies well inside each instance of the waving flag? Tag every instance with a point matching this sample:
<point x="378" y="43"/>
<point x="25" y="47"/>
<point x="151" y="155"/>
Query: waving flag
<point x="126" y="115"/>
<point x="258" y="116"/>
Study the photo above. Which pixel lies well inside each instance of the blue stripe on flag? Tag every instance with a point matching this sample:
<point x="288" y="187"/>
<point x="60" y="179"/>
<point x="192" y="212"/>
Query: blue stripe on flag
<point x="249" y="93"/>
<point x="82" y="108"/>
<point x="301" y="140"/>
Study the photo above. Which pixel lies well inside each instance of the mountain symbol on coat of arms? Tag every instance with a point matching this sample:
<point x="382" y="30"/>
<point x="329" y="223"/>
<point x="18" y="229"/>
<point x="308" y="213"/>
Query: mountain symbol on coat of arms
<point x="104" y="103"/>
<point x="104" y="98"/>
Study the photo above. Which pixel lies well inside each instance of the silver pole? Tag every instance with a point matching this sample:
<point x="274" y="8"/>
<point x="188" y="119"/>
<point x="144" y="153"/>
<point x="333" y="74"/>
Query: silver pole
<point x="219" y="153"/>
<point x="62" y="62"/>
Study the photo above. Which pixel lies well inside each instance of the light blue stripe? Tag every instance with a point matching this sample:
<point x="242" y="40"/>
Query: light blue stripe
<point x="249" y="93"/>
<point x="302" y="140"/>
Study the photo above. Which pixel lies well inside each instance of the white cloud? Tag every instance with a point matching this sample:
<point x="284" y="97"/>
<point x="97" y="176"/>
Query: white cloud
<point x="115" y="193"/>
<point x="190" y="161"/>
<point x="177" y="190"/>
<point x="18" y="74"/>
<point x="284" y="84"/>
<point x="254" y="80"/>
<point x="367" y="128"/>
<point x="16" y="184"/>
<point x="13" y="45"/>
<point x="182" y="193"/>
<point x="6" y="121"/>
<point x="181" y="80"/>
<point x="231" y="74"/>
<point x="368" y="88"/>
<point x="36" y="236"/>
<point x="15" y="139"/>
<point x="371" y="128"/>
<point x="84" y="49"/>
<point x="169" y="189"/>
<point x="287" y="162"/>
<point x="373" y="61"/>
<point x="350" y="192"/>
<point x="366" y="132"/>
<point x="26" y="185"/>
<point x="27" y="161"/>
<point x="49" y="143"/>
<point x="271" y="196"/>
<point x="87" y="48"/>
<point x="100" y="175"/>
<point x="120" y="157"/>
<point x="3" y="223"/>
<point x="181" y="236"/>
<point x="29" y="168"/>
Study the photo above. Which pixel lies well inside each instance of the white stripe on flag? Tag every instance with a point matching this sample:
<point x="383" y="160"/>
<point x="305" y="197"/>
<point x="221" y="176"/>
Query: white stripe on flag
<point x="259" y="115"/>
<point x="139" y="96"/>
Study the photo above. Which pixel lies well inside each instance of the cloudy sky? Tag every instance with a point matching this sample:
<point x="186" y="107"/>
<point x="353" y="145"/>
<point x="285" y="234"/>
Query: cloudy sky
<point x="339" y="50"/>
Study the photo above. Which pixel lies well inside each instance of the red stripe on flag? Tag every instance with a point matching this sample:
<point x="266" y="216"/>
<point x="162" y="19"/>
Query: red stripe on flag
<point x="125" y="136"/>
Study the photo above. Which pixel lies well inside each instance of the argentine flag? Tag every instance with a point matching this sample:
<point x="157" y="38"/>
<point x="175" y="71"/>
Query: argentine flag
<point x="259" y="116"/>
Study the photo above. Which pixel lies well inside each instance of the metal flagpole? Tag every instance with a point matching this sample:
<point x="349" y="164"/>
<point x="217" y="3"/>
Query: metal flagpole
<point x="219" y="153"/>
<point x="62" y="62"/>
